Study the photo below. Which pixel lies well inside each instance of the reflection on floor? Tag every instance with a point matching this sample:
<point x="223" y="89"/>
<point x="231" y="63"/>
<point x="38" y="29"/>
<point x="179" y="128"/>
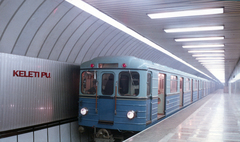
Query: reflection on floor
<point x="217" y="119"/>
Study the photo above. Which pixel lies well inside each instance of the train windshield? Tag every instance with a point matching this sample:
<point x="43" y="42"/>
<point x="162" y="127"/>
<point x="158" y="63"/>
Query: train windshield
<point x="128" y="83"/>
<point x="88" y="82"/>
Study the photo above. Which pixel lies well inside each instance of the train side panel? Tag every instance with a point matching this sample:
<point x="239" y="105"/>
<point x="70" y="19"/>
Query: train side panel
<point x="195" y="96"/>
<point x="200" y="93"/>
<point x="172" y="103"/>
<point x="187" y="98"/>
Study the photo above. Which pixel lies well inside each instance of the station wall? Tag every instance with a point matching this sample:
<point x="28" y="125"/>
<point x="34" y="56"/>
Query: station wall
<point x="62" y="133"/>
<point x="36" y="91"/>
<point x="234" y="80"/>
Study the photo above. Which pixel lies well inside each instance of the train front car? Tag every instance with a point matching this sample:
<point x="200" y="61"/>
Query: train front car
<point x="114" y="94"/>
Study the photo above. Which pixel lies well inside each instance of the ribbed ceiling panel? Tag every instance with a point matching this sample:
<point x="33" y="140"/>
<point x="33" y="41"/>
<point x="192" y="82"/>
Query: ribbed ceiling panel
<point x="56" y="30"/>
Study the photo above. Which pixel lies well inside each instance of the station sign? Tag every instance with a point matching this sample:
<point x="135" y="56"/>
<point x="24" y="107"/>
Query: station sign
<point x="36" y="74"/>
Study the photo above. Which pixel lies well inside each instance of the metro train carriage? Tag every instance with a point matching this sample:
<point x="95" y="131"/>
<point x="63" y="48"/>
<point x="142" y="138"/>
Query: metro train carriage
<point x="130" y="94"/>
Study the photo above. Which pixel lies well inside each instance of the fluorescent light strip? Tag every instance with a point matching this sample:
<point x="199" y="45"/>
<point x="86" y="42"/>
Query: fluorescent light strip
<point x="207" y="55"/>
<point x="210" y="63"/>
<point x="198" y="39"/>
<point x="192" y="29"/>
<point x="203" y="46"/>
<point x="214" y="66"/>
<point x="186" y="13"/>
<point x="206" y="51"/>
<point x="214" y="58"/>
<point x="95" y="12"/>
<point x="218" y="71"/>
<point x="203" y="61"/>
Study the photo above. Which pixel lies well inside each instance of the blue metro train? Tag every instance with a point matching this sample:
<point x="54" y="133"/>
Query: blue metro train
<point x="128" y="93"/>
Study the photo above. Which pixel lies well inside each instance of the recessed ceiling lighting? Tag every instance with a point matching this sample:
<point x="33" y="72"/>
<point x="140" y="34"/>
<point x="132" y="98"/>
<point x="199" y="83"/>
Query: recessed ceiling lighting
<point x="186" y="13"/>
<point x="203" y="46"/>
<point x="207" y="55"/>
<point x="216" y="68"/>
<point x="213" y="58"/>
<point x="212" y="64"/>
<point x="192" y="29"/>
<point x="198" y="39"/>
<point x="206" y="51"/>
<point x="212" y="61"/>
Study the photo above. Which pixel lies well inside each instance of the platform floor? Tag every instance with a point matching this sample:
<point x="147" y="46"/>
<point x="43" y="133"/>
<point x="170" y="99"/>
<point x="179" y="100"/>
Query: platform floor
<point x="215" y="118"/>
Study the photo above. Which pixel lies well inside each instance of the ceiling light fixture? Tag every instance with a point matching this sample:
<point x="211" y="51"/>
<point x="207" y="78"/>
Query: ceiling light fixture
<point x="203" y="46"/>
<point x="193" y="29"/>
<point x="198" y="39"/>
<point x="213" y="64"/>
<point x="198" y="12"/>
<point x="213" y="58"/>
<point x="207" y="55"/>
<point x="206" y="51"/>
<point x="214" y="61"/>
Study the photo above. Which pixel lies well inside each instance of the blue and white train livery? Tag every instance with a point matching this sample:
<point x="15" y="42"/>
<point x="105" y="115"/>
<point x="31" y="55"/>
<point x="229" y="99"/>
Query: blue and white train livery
<point x="128" y="93"/>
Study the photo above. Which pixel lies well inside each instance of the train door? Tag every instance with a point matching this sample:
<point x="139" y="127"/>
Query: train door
<point x="198" y="89"/>
<point x="149" y="95"/>
<point x="191" y="90"/>
<point x="204" y="90"/>
<point x="106" y="100"/>
<point x="161" y="94"/>
<point x="181" y="92"/>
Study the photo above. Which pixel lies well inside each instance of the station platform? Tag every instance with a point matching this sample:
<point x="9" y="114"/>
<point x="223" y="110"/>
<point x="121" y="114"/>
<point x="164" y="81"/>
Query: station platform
<point x="214" y="118"/>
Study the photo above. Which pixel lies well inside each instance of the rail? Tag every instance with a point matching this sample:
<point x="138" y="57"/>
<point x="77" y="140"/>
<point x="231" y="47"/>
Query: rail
<point x="19" y="131"/>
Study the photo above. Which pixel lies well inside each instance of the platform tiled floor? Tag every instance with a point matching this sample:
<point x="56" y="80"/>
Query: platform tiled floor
<point x="217" y="120"/>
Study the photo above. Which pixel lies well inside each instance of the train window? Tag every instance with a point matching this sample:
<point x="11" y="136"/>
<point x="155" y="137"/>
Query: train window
<point x="128" y="83"/>
<point x="187" y="84"/>
<point x="195" y="85"/>
<point x="107" y="84"/>
<point x="173" y="84"/>
<point x="88" y="83"/>
<point x="149" y="80"/>
<point x="161" y="83"/>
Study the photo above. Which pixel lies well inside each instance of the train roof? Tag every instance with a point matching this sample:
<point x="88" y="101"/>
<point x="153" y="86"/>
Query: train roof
<point x="131" y="63"/>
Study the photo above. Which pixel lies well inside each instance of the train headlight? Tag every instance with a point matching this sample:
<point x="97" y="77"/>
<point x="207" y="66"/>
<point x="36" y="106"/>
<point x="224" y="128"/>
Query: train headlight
<point x="131" y="114"/>
<point x="84" y="111"/>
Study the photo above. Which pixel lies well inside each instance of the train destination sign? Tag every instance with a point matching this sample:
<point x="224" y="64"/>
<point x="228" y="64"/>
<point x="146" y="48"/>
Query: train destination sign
<point x="37" y="74"/>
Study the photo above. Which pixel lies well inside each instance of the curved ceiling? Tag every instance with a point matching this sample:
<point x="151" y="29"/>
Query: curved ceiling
<point x="57" y="30"/>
